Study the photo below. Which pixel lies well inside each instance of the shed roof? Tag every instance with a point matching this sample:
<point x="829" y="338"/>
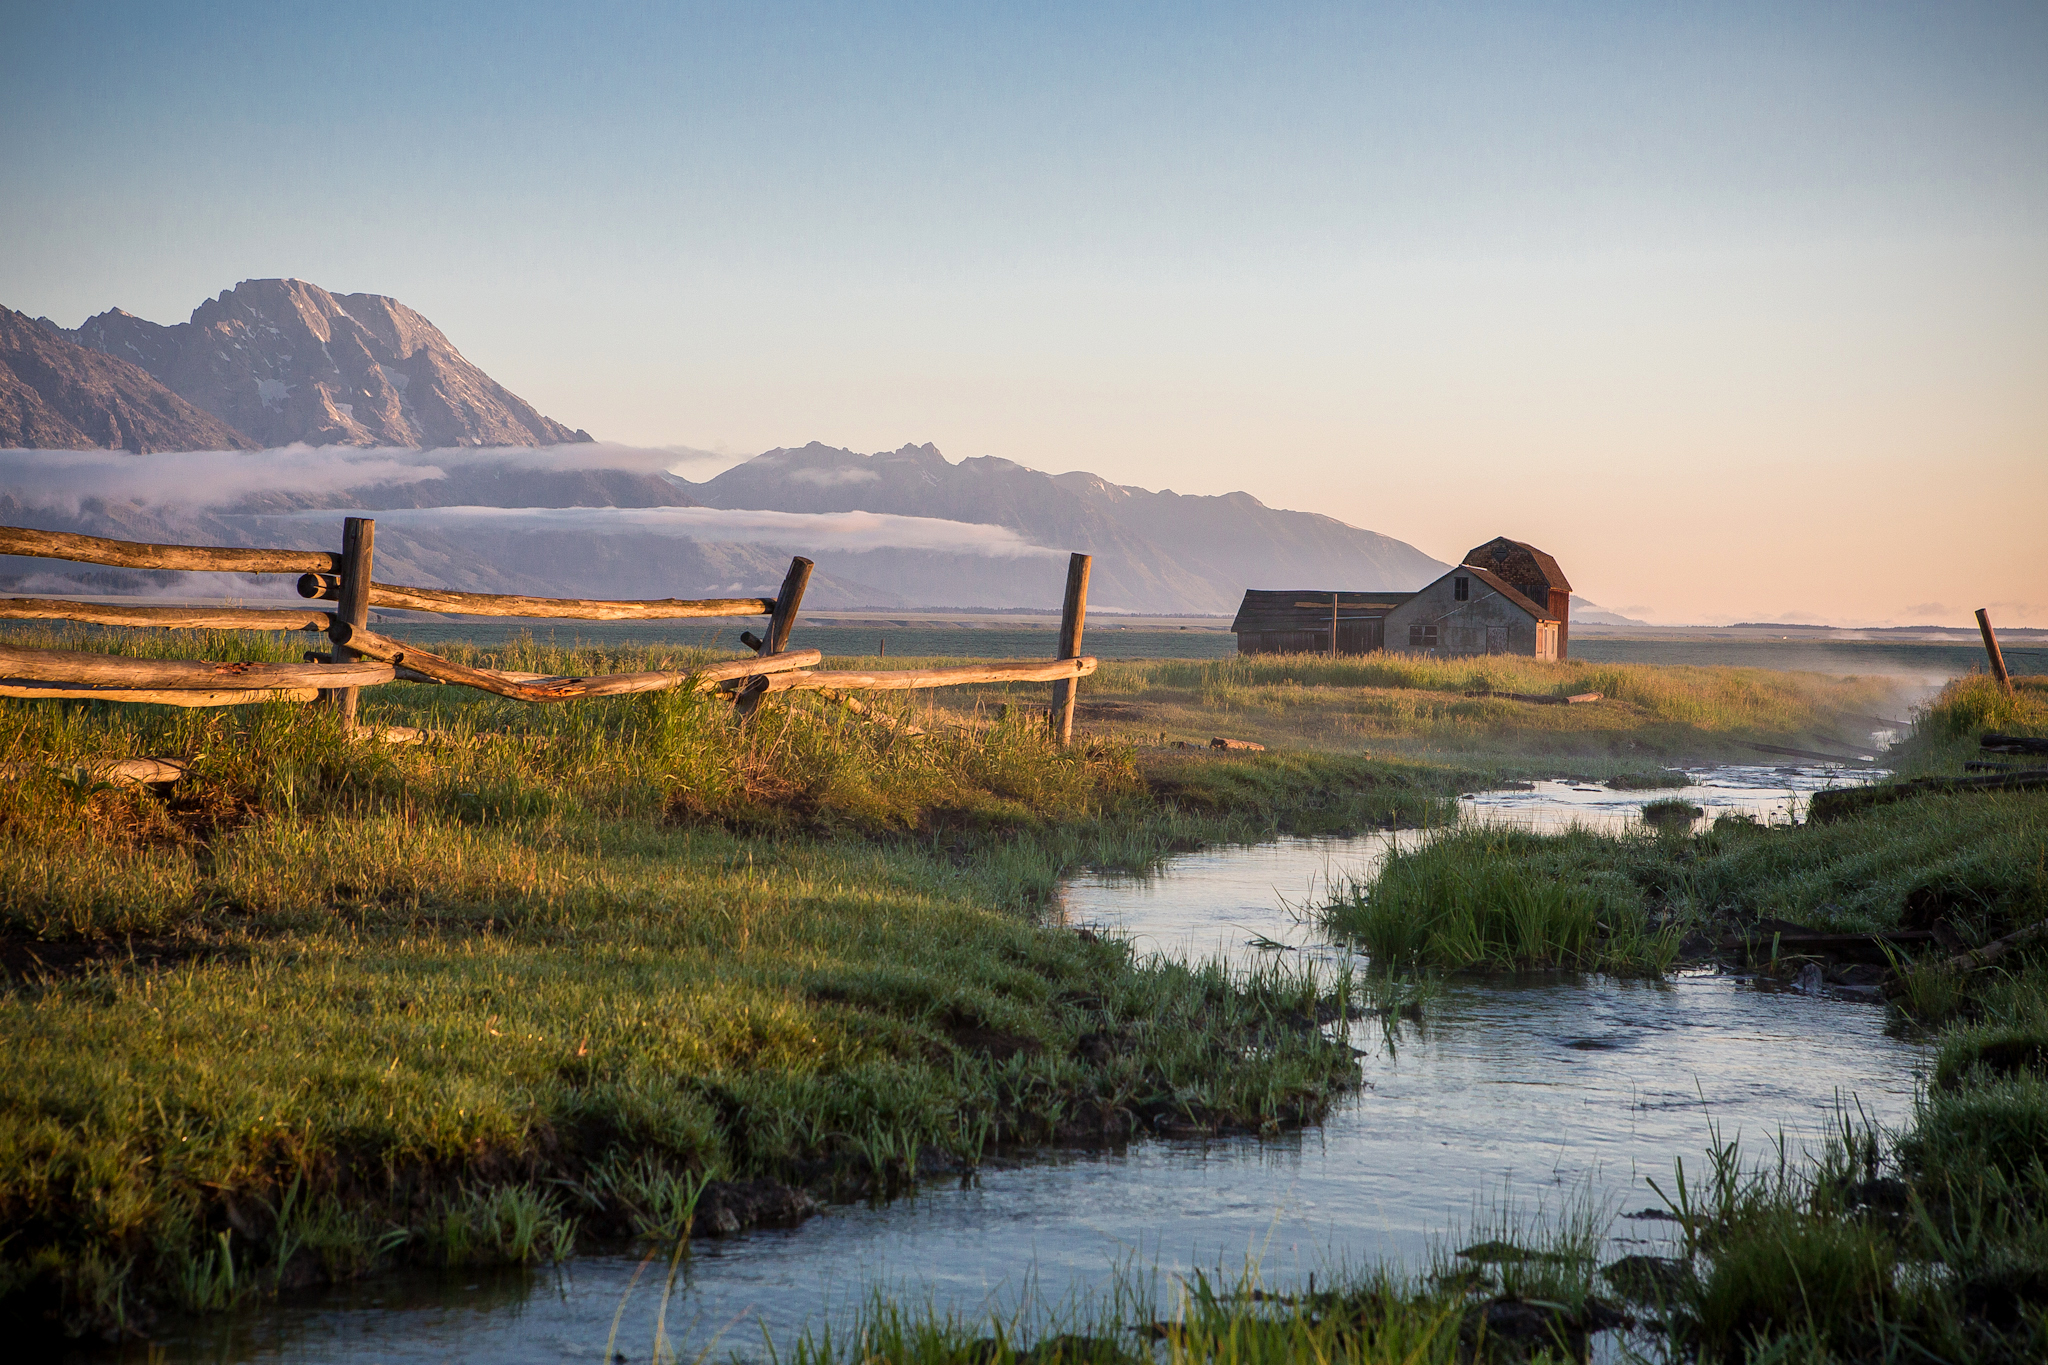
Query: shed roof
<point x="1308" y="608"/>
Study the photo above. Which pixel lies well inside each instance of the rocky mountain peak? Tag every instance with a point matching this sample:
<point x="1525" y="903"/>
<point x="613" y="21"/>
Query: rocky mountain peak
<point x="58" y="395"/>
<point x="285" y="361"/>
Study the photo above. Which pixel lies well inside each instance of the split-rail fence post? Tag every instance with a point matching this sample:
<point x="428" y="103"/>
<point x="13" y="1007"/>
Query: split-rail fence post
<point x="1991" y="648"/>
<point x="783" y="620"/>
<point x="352" y="608"/>
<point x="1073" y="615"/>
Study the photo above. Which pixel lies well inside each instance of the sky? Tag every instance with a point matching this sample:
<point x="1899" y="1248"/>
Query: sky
<point x="1740" y="311"/>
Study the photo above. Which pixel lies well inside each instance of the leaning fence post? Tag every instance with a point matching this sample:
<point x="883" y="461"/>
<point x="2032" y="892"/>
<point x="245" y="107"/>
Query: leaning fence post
<point x="780" y="623"/>
<point x="786" y="603"/>
<point x="1073" y="614"/>
<point x="1991" y="648"/>
<point x="352" y="608"/>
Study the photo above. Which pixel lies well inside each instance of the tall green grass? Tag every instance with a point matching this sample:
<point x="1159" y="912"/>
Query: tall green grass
<point x="333" y="1004"/>
<point x="1486" y="899"/>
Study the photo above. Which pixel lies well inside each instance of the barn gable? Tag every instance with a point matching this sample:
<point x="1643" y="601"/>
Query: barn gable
<point x="1471" y="610"/>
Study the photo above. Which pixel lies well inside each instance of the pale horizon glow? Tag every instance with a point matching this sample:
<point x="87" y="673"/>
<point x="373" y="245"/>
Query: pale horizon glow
<point x="1739" y="311"/>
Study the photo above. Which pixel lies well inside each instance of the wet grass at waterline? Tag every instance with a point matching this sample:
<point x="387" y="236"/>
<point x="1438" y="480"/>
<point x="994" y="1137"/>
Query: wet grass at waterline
<point x="1486" y="900"/>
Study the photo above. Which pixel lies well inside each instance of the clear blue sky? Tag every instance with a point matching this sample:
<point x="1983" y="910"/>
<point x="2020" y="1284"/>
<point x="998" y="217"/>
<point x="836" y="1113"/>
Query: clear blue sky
<point x="1712" y="301"/>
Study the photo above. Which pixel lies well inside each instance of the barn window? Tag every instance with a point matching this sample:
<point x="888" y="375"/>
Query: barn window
<point x="1461" y="589"/>
<point x="1421" y="636"/>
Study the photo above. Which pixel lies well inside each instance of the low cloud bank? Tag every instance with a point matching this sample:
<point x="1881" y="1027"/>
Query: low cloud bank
<point x="202" y="480"/>
<point x="799" y="532"/>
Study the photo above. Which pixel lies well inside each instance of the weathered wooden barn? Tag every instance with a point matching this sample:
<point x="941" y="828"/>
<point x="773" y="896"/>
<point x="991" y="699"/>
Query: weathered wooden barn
<point x="1507" y="597"/>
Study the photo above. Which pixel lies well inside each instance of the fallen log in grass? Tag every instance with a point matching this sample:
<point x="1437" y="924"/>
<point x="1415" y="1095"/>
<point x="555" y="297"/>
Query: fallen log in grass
<point x="525" y="687"/>
<point x="869" y="713"/>
<point x="2013" y="744"/>
<point x="74" y="668"/>
<point x="1539" y="699"/>
<point x="118" y="772"/>
<point x="1978" y="958"/>
<point x="1834" y="805"/>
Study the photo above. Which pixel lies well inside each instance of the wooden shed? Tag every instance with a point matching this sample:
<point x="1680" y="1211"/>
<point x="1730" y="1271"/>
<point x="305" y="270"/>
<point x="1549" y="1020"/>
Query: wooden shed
<point x="1300" y="620"/>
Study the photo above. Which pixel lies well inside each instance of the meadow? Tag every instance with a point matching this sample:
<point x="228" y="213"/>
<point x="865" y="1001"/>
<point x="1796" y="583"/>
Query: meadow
<point x="333" y="1005"/>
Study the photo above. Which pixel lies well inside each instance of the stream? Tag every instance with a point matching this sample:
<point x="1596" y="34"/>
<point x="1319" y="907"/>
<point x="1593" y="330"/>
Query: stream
<point x="1530" y="1096"/>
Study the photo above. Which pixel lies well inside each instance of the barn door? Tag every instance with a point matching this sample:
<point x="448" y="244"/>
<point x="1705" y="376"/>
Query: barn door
<point x="1496" y="639"/>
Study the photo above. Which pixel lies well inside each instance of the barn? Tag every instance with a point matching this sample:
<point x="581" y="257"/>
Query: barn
<point x="1471" y="610"/>
<point x="1507" y="597"/>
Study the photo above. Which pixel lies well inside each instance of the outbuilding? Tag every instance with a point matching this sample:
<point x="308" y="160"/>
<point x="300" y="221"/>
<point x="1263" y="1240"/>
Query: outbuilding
<point x="1507" y="597"/>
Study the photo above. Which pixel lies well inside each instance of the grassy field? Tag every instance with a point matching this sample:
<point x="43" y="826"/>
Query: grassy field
<point x="333" y="1004"/>
<point x="1432" y="709"/>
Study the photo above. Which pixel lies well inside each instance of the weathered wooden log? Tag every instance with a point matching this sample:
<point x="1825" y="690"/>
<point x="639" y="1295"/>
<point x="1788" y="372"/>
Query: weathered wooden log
<point x="1833" y="805"/>
<point x="129" y="554"/>
<point x="79" y="669"/>
<point x="565" y="608"/>
<point x="2013" y="744"/>
<point x="1983" y="957"/>
<point x="169" y="618"/>
<point x="1073" y="619"/>
<point x="390" y="734"/>
<point x="1991" y="649"/>
<point x="788" y="600"/>
<point x="1540" y="699"/>
<point x="119" y="772"/>
<point x="352" y="601"/>
<point x="964" y="675"/>
<point x="869" y="713"/>
<point x="525" y="687"/>
<point x="21" y="690"/>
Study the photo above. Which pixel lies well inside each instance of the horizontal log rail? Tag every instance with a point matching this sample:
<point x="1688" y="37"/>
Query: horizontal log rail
<point x="526" y="688"/>
<point x="78" y="669"/>
<point x="131" y="554"/>
<point x="963" y="675"/>
<point x="19" y="690"/>
<point x="572" y="608"/>
<point x="169" y="618"/>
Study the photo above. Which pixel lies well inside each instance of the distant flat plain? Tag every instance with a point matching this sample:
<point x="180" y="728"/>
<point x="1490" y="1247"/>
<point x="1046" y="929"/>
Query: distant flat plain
<point x="1019" y="636"/>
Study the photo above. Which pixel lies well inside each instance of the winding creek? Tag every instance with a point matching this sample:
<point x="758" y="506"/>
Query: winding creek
<point x="1530" y="1095"/>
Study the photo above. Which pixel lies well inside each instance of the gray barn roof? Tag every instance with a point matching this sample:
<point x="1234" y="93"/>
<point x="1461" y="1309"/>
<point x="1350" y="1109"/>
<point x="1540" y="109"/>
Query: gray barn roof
<point x="1307" y="608"/>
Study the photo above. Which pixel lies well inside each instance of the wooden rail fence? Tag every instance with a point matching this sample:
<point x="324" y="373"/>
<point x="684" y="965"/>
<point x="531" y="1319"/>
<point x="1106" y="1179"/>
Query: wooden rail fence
<point x="362" y="658"/>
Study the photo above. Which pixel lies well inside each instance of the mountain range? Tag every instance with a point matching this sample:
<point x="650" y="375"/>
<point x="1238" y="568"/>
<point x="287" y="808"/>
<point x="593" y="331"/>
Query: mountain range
<point x="277" y="363"/>
<point x="281" y="361"/>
